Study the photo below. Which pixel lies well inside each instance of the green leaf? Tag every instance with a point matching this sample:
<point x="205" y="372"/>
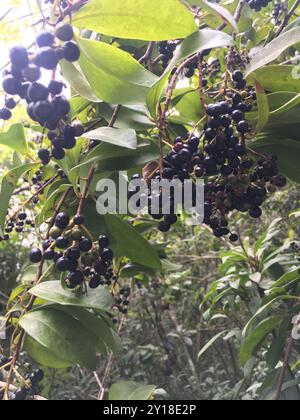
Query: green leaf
<point x="62" y="335"/>
<point x="134" y="117"/>
<point x="133" y="245"/>
<point x="105" y="336"/>
<point x="273" y="50"/>
<point x="8" y="184"/>
<point x="131" y="391"/>
<point x="263" y="106"/>
<point x="113" y="158"/>
<point x="287" y="106"/>
<point x="43" y="356"/>
<point x="276" y="78"/>
<point x="154" y="20"/>
<point x="201" y="40"/>
<point x="52" y="291"/>
<point x="114" y="75"/>
<point x="156" y="93"/>
<point x="220" y="12"/>
<point x="15" y="139"/>
<point x="119" y="137"/>
<point x="211" y="342"/>
<point x="287" y="151"/>
<point x="73" y="74"/>
<point x="251" y="343"/>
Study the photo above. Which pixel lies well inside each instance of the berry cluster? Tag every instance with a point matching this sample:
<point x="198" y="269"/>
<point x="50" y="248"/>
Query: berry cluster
<point x="236" y="179"/>
<point x="257" y="5"/>
<point x="166" y="49"/>
<point x="46" y="104"/>
<point x="18" y="223"/>
<point x="211" y="69"/>
<point x="74" y="253"/>
<point x="33" y="380"/>
<point x="122" y="300"/>
<point x="5" y="112"/>
<point x="65" y="140"/>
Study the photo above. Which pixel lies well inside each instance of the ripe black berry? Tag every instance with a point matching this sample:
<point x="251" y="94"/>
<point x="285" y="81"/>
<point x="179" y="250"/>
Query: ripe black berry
<point x="20" y="395"/>
<point x="280" y="181"/>
<point x="19" y="56"/>
<point x="45" y="39"/>
<point x="85" y="245"/>
<point x="58" y="153"/>
<point x="164" y="227"/>
<point x="243" y="127"/>
<point x="73" y="253"/>
<point x="78" y="220"/>
<point x="46" y="58"/>
<point x="44" y="155"/>
<point x="62" y="220"/>
<point x="64" y="32"/>
<point x="63" y="264"/>
<point x="5" y="114"/>
<point x="256" y="212"/>
<point x="95" y="282"/>
<point x="35" y="255"/>
<point x="37" y="92"/>
<point x="32" y="73"/>
<point x="61" y="106"/>
<point x="234" y="238"/>
<point x="55" y="87"/>
<point x="49" y="255"/>
<point x="75" y="278"/>
<point x="107" y="255"/>
<point x="43" y="110"/>
<point x="71" y="51"/>
<point x="11" y="85"/>
<point x="103" y="241"/>
<point x="36" y="377"/>
<point x="10" y="103"/>
<point x="237" y="76"/>
<point x="62" y="242"/>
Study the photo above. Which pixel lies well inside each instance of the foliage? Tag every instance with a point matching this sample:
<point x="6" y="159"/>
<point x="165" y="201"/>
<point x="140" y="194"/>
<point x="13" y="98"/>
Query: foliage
<point x="126" y="111"/>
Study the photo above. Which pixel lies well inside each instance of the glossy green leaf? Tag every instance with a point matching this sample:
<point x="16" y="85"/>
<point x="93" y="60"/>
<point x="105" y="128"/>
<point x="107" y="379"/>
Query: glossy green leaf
<point x="114" y="75"/>
<point x="43" y="356"/>
<point x="262" y="105"/>
<point x="52" y="291"/>
<point x="201" y="40"/>
<point x="15" y="138"/>
<point x="251" y="343"/>
<point x="78" y="81"/>
<point x="118" y="137"/>
<point x="133" y="245"/>
<point x="97" y="325"/>
<point x="113" y="158"/>
<point x="131" y="391"/>
<point x="294" y="101"/>
<point x="276" y="78"/>
<point x="220" y="12"/>
<point x="134" y="117"/>
<point x="273" y="49"/>
<point x="62" y="335"/>
<point x="154" y="20"/>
